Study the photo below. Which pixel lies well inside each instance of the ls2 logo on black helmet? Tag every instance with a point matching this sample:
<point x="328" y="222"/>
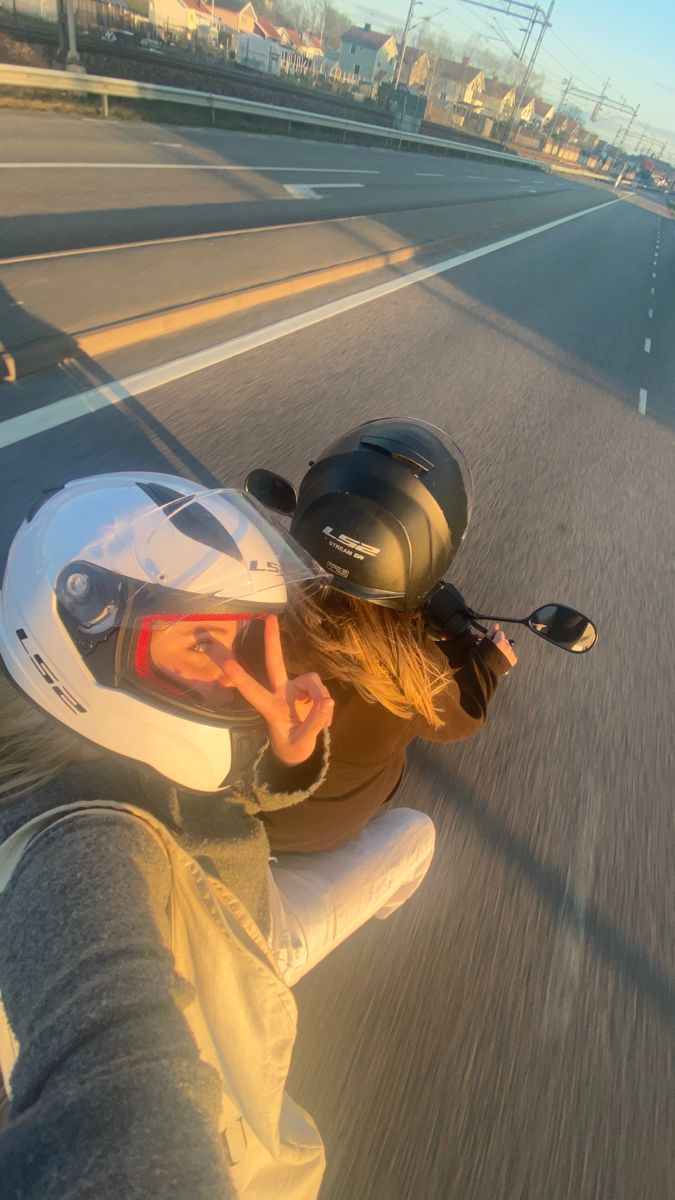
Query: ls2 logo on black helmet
<point x="49" y="676"/>
<point x="350" y="545"/>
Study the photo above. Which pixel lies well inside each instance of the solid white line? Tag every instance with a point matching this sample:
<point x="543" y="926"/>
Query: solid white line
<point x="17" y="429"/>
<point x="648" y="345"/>
<point x="55" y="166"/>
<point x="642" y="406"/>
<point x="650" y="312"/>
<point x="169" y="241"/>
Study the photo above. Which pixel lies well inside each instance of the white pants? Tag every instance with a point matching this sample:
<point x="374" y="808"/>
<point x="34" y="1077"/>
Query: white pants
<point x="318" y="900"/>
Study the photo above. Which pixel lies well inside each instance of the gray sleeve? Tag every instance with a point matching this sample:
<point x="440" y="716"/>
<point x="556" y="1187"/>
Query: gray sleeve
<point x="110" y="1096"/>
<point x="275" y="785"/>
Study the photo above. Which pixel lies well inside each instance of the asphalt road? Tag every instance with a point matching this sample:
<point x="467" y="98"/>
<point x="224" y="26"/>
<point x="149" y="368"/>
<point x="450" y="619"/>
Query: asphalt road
<point x="150" y="182"/>
<point x="508" y="1034"/>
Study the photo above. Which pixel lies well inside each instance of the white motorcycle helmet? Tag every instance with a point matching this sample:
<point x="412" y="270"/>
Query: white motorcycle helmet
<point x="102" y="565"/>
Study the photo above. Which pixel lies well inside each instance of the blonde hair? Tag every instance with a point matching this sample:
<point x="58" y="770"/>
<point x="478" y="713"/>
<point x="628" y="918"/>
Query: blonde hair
<point x="379" y="652"/>
<point x="33" y="746"/>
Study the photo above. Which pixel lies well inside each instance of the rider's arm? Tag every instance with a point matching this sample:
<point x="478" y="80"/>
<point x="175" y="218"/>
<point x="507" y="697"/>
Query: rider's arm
<point x="274" y="785"/>
<point x="475" y="669"/>
<point x="109" y="1095"/>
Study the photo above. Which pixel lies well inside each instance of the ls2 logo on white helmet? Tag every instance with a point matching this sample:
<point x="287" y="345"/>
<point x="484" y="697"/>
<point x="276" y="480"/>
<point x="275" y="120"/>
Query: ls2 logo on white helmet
<point x="49" y="676"/>
<point x="349" y="545"/>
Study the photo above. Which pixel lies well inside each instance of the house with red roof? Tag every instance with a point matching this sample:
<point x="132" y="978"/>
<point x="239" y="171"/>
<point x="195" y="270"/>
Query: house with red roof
<point x="311" y="45"/>
<point x="368" y="55"/>
<point x="266" y="29"/>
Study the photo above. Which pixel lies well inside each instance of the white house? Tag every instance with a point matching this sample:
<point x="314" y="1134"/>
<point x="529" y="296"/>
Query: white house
<point x="368" y="55"/>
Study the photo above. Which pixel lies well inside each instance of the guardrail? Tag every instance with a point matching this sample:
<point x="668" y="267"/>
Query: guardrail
<point x="105" y="86"/>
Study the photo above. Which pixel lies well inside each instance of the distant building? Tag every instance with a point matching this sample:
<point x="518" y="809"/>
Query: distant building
<point x="526" y="110"/>
<point x="543" y="112"/>
<point x="368" y="55"/>
<point x="237" y="15"/>
<point x="497" y="99"/>
<point x="415" y="67"/>
<point x="457" y="82"/>
<point x="180" y="14"/>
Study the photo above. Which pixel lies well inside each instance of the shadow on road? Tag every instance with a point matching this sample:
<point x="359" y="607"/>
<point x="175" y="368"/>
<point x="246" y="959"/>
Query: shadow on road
<point x="569" y="910"/>
<point x="123" y="435"/>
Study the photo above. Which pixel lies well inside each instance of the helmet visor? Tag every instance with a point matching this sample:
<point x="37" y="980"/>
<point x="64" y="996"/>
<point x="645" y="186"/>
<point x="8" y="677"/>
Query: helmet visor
<point x="161" y="600"/>
<point x="455" y="452"/>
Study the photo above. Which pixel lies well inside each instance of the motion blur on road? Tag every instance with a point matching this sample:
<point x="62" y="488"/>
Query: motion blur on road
<point x="507" y="1034"/>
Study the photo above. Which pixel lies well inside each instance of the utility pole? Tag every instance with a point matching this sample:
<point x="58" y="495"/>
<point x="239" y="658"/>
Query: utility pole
<point x="72" y="57"/>
<point x="520" y="96"/>
<point x="533" y="15"/>
<point x="596" y="111"/>
<point x="404" y="42"/>
<point x="626" y="131"/>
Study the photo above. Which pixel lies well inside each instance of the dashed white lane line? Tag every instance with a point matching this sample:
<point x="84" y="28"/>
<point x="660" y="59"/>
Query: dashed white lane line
<point x="642" y="405"/>
<point x="483" y="177"/>
<point x="307" y="191"/>
<point x="648" y="345"/>
<point x="110" y="166"/>
<point x="650" y="313"/>
<point x="430" y="174"/>
<point x="653" y="291"/>
<point x="653" y="274"/>
<point x="17" y="429"/>
<point x="173" y="145"/>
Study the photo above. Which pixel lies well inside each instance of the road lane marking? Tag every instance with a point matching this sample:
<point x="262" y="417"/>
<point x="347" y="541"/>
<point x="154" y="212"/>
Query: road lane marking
<point x="642" y="405"/>
<point x="173" y="145"/>
<point x="430" y="174"/>
<point x="92" y="166"/>
<point x="180" y="237"/>
<point x="483" y="177"/>
<point x="653" y="291"/>
<point x="509" y="179"/>
<point x="307" y="191"/>
<point x="650" y="312"/>
<point x="653" y="274"/>
<point x="648" y="345"/>
<point x="50" y="416"/>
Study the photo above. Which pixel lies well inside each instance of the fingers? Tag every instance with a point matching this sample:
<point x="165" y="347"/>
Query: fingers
<point x="274" y="658"/>
<point x="310" y="685"/>
<point x="500" y="640"/>
<point x="262" y="700"/>
<point x="301" y="743"/>
<point x="319" y="718"/>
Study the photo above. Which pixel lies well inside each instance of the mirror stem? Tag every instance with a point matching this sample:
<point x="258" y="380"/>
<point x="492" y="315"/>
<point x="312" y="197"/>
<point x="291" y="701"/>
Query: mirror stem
<point x="474" y="617"/>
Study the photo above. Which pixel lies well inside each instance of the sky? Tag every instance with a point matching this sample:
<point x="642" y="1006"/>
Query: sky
<point x="631" y="43"/>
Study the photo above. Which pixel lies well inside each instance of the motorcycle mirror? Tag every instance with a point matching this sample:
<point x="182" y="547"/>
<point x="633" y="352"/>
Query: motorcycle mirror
<point x="563" y="626"/>
<point x="272" y="490"/>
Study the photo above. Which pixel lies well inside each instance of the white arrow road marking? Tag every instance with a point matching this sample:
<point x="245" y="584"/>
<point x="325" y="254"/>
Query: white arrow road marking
<point x="307" y="191"/>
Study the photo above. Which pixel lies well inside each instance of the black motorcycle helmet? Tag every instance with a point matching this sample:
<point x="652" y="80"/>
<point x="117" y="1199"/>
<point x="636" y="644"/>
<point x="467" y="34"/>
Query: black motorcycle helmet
<point x="385" y="508"/>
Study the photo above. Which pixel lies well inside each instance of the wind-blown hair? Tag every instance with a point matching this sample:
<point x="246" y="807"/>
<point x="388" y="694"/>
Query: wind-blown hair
<point x="379" y="652"/>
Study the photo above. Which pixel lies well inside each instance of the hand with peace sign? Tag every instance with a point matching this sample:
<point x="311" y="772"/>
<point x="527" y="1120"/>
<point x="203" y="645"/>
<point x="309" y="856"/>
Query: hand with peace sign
<point x="296" y="710"/>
